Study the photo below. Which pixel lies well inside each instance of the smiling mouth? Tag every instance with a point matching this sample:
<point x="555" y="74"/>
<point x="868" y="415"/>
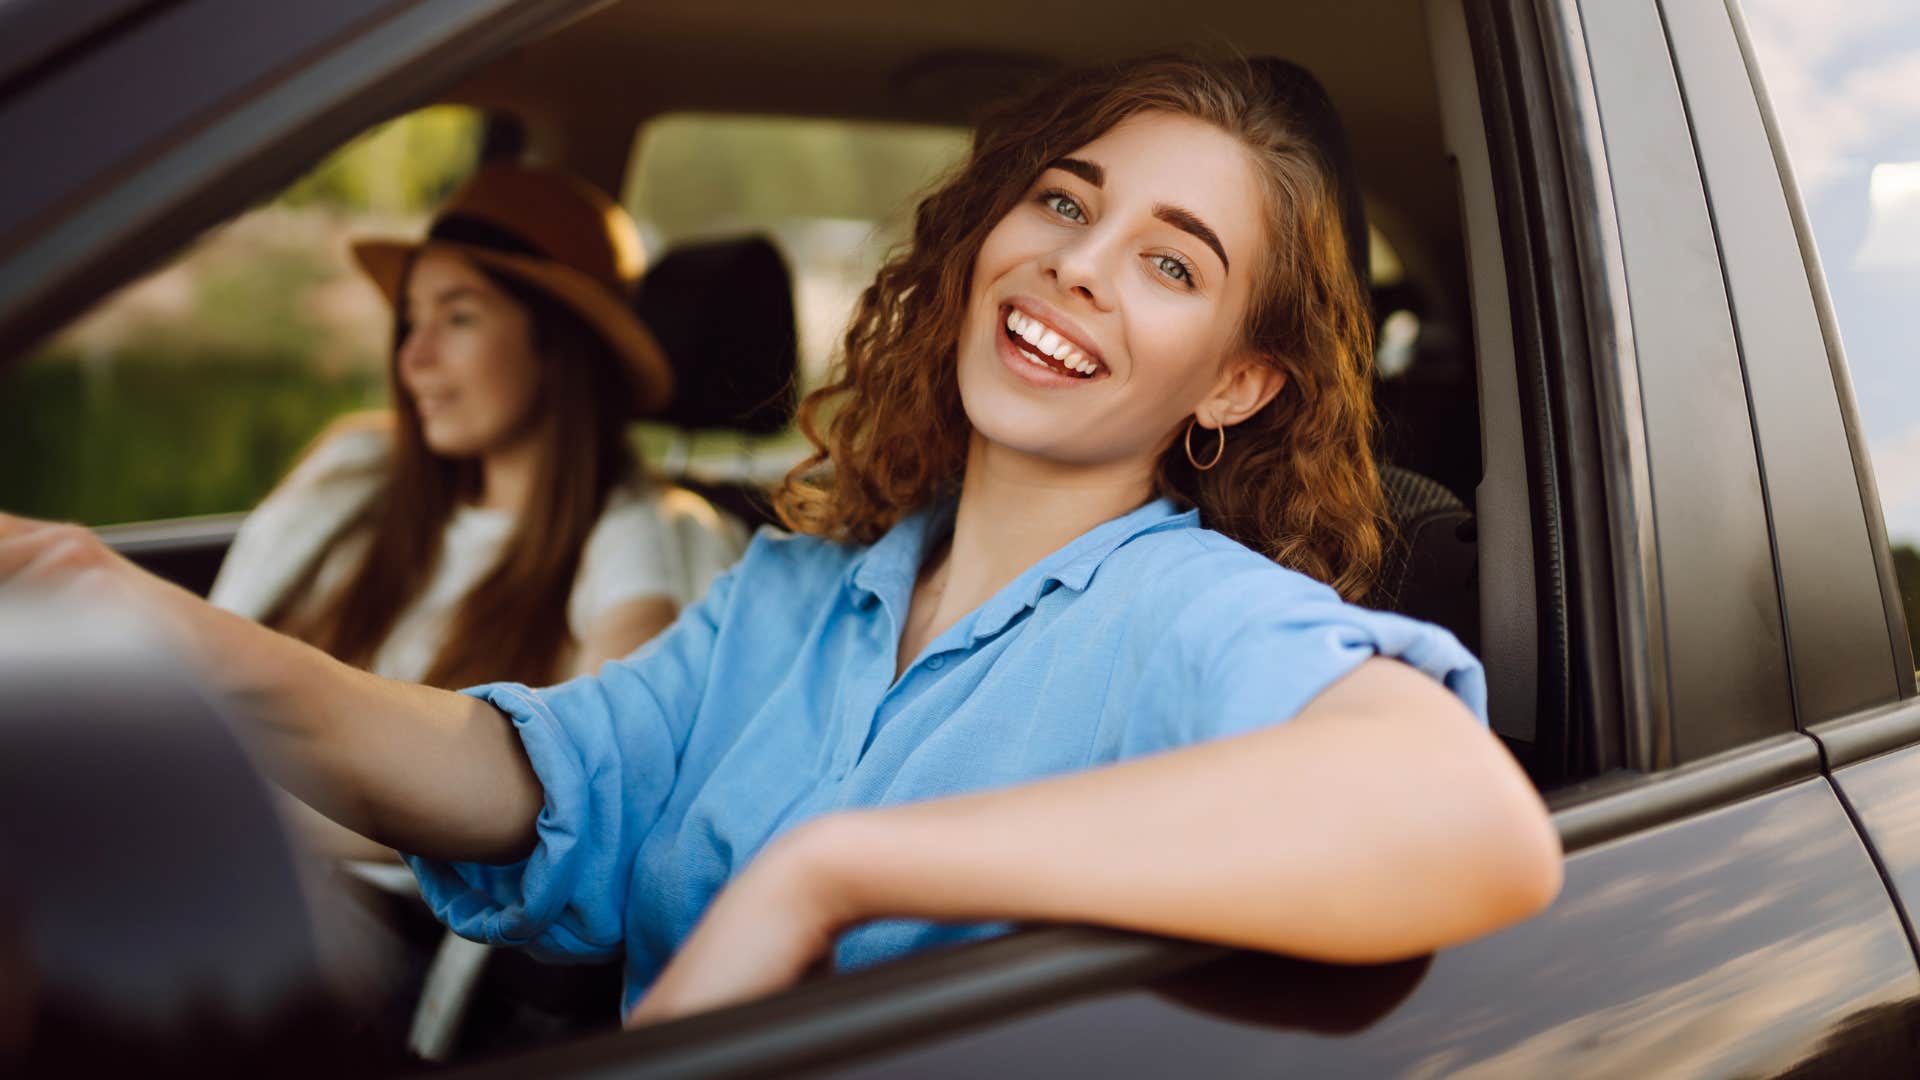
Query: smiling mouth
<point x="1044" y="347"/>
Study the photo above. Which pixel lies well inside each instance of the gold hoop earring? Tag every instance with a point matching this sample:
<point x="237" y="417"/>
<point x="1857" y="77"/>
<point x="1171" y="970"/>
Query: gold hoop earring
<point x="1217" y="454"/>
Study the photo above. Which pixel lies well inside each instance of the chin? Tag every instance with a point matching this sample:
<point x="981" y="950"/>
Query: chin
<point x="450" y="444"/>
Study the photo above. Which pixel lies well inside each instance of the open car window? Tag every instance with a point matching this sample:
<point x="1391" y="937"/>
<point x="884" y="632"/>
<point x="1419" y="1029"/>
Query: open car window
<point x="191" y="390"/>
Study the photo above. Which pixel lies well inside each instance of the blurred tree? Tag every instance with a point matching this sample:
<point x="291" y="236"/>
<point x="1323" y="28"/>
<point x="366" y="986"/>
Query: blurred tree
<point x="1906" y="570"/>
<point x="406" y="165"/>
<point x="195" y="397"/>
<point x="696" y="173"/>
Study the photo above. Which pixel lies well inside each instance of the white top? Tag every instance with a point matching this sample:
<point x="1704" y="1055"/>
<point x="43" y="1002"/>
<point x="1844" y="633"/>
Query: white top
<point x="649" y="541"/>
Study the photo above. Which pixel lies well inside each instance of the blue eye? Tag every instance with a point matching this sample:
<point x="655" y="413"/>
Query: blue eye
<point x="1175" y="267"/>
<point x="1062" y="203"/>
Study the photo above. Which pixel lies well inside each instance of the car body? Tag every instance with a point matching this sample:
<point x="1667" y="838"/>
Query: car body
<point x="1685" y="597"/>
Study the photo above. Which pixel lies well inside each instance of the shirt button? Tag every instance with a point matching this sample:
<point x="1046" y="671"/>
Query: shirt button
<point x="937" y="663"/>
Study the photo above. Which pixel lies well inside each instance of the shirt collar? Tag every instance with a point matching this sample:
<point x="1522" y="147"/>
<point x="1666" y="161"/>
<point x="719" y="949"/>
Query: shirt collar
<point x="888" y="569"/>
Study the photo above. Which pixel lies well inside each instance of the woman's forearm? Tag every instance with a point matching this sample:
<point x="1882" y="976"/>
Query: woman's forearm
<point x="416" y="768"/>
<point x="1382" y="822"/>
<point x="419" y="769"/>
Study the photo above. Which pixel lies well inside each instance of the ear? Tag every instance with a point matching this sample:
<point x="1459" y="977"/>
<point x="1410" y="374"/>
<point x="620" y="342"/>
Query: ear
<point x="1246" y="384"/>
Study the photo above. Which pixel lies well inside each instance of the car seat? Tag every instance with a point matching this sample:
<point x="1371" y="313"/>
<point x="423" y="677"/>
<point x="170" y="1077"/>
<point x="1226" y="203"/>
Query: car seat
<point x="1430" y="570"/>
<point x="723" y="311"/>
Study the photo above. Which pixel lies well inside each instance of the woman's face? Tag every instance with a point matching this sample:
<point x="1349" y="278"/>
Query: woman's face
<point x="468" y="359"/>
<point x="1127" y="270"/>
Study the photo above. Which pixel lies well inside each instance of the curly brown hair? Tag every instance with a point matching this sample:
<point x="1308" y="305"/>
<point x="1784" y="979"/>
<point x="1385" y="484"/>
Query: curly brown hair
<point x="1297" y="480"/>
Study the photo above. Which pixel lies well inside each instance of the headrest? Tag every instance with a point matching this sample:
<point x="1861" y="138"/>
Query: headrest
<point x="723" y="310"/>
<point x="1302" y="96"/>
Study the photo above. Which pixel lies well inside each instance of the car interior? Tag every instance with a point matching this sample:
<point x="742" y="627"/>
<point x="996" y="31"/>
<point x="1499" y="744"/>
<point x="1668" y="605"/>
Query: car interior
<point x="1365" y="78"/>
<point x="1378" y="121"/>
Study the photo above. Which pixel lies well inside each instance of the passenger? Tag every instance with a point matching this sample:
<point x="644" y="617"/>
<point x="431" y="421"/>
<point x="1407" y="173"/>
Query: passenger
<point x="1062" y="638"/>
<point x="494" y="524"/>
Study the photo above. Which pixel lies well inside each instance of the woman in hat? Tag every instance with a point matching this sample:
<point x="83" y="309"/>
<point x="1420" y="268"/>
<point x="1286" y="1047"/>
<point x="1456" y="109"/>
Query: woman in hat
<point x="494" y="523"/>
<point x="1066" y="637"/>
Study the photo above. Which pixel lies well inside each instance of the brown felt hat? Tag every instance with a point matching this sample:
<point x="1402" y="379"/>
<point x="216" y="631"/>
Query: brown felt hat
<point x="557" y="233"/>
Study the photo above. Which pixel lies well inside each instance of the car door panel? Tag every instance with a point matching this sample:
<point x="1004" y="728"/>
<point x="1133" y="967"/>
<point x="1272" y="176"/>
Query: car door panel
<point x="1877" y="771"/>
<point x="1834" y="606"/>
<point x="1750" y="940"/>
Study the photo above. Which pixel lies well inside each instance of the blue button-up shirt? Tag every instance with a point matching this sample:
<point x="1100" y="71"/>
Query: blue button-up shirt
<point x="773" y="700"/>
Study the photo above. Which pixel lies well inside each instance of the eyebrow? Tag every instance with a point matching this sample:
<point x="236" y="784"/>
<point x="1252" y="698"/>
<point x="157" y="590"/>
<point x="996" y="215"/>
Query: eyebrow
<point x="1085" y="170"/>
<point x="449" y="295"/>
<point x="1184" y="220"/>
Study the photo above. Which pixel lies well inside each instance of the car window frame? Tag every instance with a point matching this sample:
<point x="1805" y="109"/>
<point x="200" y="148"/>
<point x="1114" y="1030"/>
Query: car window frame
<point x="257" y="132"/>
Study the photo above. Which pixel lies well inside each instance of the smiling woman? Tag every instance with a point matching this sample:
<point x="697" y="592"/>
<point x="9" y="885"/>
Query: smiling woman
<point x="1025" y="660"/>
<point x="1104" y="234"/>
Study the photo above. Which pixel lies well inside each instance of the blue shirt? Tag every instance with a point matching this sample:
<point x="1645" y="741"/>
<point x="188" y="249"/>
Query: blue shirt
<point x="773" y="701"/>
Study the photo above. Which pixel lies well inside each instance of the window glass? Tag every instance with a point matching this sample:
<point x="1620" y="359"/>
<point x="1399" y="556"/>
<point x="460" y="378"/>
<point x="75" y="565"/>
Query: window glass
<point x="835" y="196"/>
<point x="1843" y="79"/>
<point x="191" y="390"/>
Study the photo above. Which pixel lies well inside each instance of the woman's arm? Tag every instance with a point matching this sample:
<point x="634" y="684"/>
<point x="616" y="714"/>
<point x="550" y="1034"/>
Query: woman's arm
<point x="416" y="768"/>
<point x="621" y="629"/>
<point x="1381" y="822"/>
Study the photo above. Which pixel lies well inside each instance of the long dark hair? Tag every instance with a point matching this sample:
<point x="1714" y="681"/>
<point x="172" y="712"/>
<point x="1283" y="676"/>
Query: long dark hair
<point x="1297" y="480"/>
<point x="513" y="623"/>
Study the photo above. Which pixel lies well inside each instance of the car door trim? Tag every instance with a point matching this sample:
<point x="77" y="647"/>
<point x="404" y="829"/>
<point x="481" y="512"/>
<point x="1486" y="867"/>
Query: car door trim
<point x="879" y="1007"/>
<point x="1864" y="480"/>
<point x="1620" y="803"/>
<point x="1868" y="733"/>
<point x="1625" y="467"/>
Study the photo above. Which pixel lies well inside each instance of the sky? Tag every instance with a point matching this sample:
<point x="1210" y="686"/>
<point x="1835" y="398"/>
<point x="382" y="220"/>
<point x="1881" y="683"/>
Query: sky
<point x="1844" y="79"/>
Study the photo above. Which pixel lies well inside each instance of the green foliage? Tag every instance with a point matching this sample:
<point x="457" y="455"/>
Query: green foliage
<point x="695" y="172"/>
<point x="154" y="436"/>
<point x="1906" y="570"/>
<point x="407" y="165"/>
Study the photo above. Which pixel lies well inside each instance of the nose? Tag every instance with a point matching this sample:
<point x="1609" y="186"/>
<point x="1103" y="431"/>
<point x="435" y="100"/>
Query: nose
<point x="416" y="348"/>
<point x="1081" y="265"/>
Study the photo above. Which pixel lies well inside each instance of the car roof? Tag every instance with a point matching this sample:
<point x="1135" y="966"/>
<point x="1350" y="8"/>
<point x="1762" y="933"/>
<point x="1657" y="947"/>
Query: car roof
<point x="601" y="76"/>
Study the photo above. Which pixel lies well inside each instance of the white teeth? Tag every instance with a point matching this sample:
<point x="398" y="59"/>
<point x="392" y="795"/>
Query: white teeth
<point x="1047" y="342"/>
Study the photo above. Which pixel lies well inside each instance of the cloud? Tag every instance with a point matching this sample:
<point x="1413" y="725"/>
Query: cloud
<point x="1840" y="79"/>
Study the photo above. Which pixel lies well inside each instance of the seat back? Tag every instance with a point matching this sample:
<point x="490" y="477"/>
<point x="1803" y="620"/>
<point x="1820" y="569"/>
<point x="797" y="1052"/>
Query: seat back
<point x="1432" y="567"/>
<point x="723" y="310"/>
<point x="1430" y="571"/>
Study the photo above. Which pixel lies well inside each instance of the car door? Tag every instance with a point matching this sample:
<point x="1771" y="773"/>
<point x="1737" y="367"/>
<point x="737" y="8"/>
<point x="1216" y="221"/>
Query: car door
<point x="1722" y="914"/>
<point x="1854" y="672"/>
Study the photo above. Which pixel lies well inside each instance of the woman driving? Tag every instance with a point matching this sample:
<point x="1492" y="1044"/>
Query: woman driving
<point x="495" y="523"/>
<point x="1060" y="637"/>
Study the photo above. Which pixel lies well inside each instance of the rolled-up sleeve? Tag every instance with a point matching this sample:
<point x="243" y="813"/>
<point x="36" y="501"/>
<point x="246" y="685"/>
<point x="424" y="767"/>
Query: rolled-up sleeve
<point x="606" y="749"/>
<point x="1253" y="649"/>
